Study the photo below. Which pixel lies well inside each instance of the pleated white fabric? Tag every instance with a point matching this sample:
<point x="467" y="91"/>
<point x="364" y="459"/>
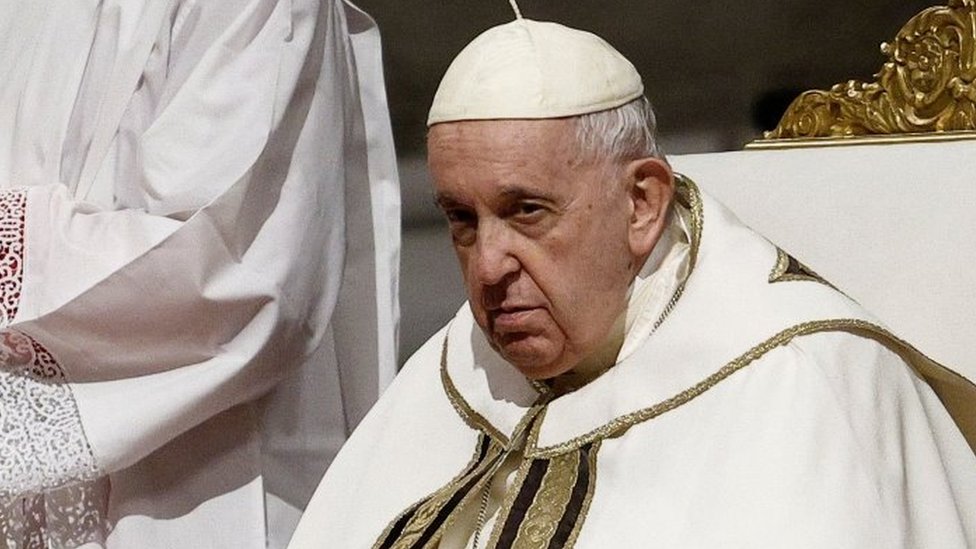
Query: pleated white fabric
<point x="199" y="249"/>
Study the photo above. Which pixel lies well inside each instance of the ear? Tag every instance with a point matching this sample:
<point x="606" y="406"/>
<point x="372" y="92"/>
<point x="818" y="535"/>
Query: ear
<point x="651" y="183"/>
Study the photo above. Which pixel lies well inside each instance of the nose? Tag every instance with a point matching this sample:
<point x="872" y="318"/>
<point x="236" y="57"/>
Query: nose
<point x="495" y="260"/>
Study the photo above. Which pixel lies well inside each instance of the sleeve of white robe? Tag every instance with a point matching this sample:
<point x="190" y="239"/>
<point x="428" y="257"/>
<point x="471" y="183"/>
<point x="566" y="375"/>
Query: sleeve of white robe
<point x="131" y="326"/>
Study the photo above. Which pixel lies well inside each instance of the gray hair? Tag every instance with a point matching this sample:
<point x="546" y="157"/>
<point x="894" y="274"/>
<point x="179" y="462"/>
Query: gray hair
<point x="624" y="133"/>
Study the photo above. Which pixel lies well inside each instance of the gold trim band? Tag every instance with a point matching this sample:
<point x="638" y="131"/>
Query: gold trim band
<point x="962" y="405"/>
<point x="895" y="139"/>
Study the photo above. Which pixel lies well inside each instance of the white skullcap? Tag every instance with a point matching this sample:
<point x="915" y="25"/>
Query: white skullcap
<point x="532" y="69"/>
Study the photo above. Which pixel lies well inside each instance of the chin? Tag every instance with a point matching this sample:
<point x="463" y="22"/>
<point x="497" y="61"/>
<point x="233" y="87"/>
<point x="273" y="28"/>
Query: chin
<point x="537" y="356"/>
<point x="533" y="365"/>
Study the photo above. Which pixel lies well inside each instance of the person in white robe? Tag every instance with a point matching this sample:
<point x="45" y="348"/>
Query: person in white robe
<point x="634" y="367"/>
<point x="199" y="238"/>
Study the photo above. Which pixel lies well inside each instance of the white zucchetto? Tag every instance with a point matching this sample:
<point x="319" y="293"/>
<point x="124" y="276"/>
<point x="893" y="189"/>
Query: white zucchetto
<point x="533" y="69"/>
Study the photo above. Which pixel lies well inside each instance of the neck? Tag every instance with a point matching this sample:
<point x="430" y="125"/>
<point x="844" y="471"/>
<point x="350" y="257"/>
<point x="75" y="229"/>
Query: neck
<point x="593" y="365"/>
<point x="655" y="284"/>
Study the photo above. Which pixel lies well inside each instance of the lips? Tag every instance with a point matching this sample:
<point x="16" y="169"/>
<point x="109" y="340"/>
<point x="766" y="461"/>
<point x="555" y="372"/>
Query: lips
<point x="515" y="319"/>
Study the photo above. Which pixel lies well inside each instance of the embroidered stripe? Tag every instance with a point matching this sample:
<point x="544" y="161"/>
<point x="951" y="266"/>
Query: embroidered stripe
<point x="525" y="498"/>
<point x="550" y="503"/>
<point x="574" y="514"/>
<point x="447" y="509"/>
<point x="421" y="521"/>
<point x="398" y="526"/>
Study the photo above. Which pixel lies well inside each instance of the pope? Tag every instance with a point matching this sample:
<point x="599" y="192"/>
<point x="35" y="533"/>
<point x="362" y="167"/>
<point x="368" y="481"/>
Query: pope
<point x="634" y="367"/>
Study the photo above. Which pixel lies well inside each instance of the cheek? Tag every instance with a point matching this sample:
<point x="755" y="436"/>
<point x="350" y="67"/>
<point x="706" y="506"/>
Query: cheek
<point x="590" y="291"/>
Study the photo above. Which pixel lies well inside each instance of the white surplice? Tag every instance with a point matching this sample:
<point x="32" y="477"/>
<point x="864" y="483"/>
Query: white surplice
<point x="760" y="408"/>
<point x="199" y="228"/>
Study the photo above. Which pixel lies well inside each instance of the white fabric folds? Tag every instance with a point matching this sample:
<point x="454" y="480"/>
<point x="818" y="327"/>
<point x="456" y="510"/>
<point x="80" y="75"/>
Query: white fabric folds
<point x="766" y="410"/>
<point x="205" y="187"/>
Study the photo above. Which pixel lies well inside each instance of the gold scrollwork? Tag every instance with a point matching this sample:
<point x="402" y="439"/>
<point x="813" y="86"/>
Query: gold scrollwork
<point x="927" y="85"/>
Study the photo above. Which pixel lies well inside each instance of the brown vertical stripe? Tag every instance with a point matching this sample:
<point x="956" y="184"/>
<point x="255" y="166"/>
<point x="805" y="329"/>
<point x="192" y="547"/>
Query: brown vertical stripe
<point x="522" y="502"/>
<point x="396" y="530"/>
<point x="573" y="509"/>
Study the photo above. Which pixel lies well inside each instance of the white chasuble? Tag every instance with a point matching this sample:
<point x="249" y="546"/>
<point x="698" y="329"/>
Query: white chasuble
<point x="199" y="221"/>
<point x="763" y="409"/>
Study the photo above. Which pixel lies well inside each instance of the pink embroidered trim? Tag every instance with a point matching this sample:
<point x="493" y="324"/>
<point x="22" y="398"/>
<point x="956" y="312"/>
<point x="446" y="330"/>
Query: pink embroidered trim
<point x="42" y="440"/>
<point x="13" y="218"/>
<point x="22" y="354"/>
<point x="49" y="495"/>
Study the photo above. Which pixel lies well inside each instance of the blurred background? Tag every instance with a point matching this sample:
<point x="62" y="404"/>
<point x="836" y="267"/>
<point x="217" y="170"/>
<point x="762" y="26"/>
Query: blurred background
<point x="717" y="72"/>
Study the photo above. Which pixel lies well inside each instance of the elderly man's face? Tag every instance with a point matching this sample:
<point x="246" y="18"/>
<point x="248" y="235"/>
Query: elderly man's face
<point x="545" y="241"/>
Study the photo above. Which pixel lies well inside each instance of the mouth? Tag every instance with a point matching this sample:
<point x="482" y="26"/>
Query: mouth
<point x="514" y="319"/>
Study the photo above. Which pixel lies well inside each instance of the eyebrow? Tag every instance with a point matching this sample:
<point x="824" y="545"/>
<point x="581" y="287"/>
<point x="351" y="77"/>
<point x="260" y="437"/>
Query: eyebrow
<point x="508" y="192"/>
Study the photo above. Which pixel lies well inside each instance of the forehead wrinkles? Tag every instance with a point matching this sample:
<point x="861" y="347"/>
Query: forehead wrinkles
<point x="478" y="156"/>
<point x="517" y="143"/>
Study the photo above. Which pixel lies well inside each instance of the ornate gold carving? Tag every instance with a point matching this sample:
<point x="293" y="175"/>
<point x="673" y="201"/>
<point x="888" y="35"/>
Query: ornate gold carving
<point x="927" y="85"/>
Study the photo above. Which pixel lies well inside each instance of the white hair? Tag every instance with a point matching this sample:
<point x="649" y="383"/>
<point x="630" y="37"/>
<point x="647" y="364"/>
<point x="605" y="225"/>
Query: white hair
<point x="624" y="133"/>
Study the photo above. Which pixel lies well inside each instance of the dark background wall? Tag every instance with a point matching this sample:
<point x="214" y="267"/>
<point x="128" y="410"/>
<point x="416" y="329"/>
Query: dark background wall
<point x="705" y="62"/>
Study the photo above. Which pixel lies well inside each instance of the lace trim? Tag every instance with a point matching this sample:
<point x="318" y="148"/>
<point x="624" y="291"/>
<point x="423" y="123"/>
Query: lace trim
<point x="46" y="497"/>
<point x="63" y="518"/>
<point x="42" y="441"/>
<point x="49" y="494"/>
<point x="13" y="214"/>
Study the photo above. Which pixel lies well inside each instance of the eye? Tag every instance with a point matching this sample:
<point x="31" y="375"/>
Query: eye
<point x="463" y="224"/>
<point x="526" y="211"/>
<point x="459" y="216"/>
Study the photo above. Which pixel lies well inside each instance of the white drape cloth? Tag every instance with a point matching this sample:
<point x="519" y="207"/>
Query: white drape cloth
<point x="901" y="224"/>
<point x="200" y="227"/>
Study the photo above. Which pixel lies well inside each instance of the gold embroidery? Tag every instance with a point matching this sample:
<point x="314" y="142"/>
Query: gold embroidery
<point x="475" y="420"/>
<point x="509" y="501"/>
<point x="472" y="418"/>
<point x="518" y="443"/>
<point x="500" y="446"/>
<point x="441" y="495"/>
<point x="957" y="393"/>
<point x="590" y="489"/>
<point x="429" y="510"/>
<point x="479" y="492"/>
<point x="788" y="269"/>
<point x="688" y="195"/>
<point x="415" y="528"/>
<point x="549" y="505"/>
<point x="966" y="407"/>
